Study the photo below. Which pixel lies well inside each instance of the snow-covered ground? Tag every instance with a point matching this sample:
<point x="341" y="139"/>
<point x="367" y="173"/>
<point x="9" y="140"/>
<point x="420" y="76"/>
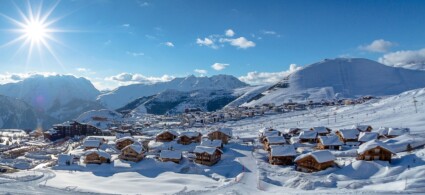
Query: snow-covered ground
<point x="244" y="168"/>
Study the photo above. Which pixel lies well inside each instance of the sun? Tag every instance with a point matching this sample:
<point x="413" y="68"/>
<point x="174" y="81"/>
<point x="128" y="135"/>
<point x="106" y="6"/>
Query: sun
<point x="34" y="29"/>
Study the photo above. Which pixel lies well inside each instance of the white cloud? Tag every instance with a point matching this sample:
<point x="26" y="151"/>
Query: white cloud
<point x="259" y="78"/>
<point x="379" y="46"/>
<point x="269" y="32"/>
<point x="219" y="66"/>
<point x="168" y="44"/>
<point x="240" y="42"/>
<point x="143" y="3"/>
<point x="212" y="40"/>
<point x="230" y="33"/>
<point x="200" y="71"/>
<point x="413" y="59"/>
<point x="206" y="42"/>
<point x="16" y="77"/>
<point x="136" y="54"/>
<point x="126" y="25"/>
<point x="130" y="78"/>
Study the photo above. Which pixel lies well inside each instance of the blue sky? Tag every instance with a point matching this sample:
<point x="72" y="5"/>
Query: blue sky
<point x="115" y="42"/>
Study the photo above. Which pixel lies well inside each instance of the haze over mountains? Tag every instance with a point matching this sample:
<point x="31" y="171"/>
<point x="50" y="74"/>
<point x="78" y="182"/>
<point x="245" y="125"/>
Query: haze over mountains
<point x="59" y="98"/>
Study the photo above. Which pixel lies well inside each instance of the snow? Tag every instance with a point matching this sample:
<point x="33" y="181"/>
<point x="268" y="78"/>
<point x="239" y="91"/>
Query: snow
<point x="330" y="140"/>
<point x="125" y="94"/>
<point x="320" y="129"/>
<point x="308" y="134"/>
<point x="283" y="150"/>
<point x="348" y="77"/>
<point x="320" y="156"/>
<point x="367" y="136"/>
<point x="99" y="152"/>
<point x="349" y="133"/>
<point x="136" y="148"/>
<point x="91" y="143"/>
<point x="275" y="140"/>
<point x="373" y="144"/>
<point x="170" y="154"/>
<point x="206" y="149"/>
<point x="212" y="143"/>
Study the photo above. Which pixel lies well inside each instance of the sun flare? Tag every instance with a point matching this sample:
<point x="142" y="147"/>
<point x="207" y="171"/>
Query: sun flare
<point x="36" y="31"/>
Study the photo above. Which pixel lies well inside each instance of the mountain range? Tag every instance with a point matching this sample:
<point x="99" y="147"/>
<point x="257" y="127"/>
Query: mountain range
<point x="43" y="101"/>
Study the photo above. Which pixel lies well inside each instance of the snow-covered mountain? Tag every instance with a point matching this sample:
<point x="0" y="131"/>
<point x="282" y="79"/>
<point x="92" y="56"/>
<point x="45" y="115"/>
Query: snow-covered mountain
<point x="16" y="114"/>
<point x="125" y="94"/>
<point x="342" y="77"/>
<point x="54" y="98"/>
<point x="173" y="101"/>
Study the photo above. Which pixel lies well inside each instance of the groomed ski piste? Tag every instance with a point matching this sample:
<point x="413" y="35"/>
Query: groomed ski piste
<point x="244" y="168"/>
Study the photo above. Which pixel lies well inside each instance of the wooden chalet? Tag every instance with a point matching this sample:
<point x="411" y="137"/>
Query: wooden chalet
<point x="273" y="141"/>
<point x="321" y="131"/>
<point x="348" y="136"/>
<point x="330" y="142"/>
<point x="314" y="161"/>
<point x="89" y="144"/>
<point x="212" y="143"/>
<point x="123" y="142"/>
<point x="282" y="155"/>
<point x="308" y="136"/>
<point x="207" y="155"/>
<point x="95" y="156"/>
<point x="367" y="136"/>
<point x="223" y="134"/>
<point x="166" y="136"/>
<point x="133" y="152"/>
<point x="267" y="132"/>
<point x="375" y="150"/>
<point x="170" y="156"/>
<point x="187" y="138"/>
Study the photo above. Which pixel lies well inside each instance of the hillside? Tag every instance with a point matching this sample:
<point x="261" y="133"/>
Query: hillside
<point x="125" y="94"/>
<point x="342" y="77"/>
<point x="54" y="98"/>
<point x="173" y="101"/>
<point x="16" y="114"/>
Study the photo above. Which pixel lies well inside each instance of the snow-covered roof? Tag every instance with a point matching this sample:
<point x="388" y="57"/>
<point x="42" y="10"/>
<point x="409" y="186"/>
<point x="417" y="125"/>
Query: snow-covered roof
<point x="349" y="133"/>
<point x="135" y="147"/>
<point x="398" y="131"/>
<point x="320" y="129"/>
<point x="91" y="143"/>
<point x="190" y="134"/>
<point x="283" y="150"/>
<point x="275" y="140"/>
<point x="169" y="131"/>
<point x="212" y="143"/>
<point x="124" y="138"/>
<point x="361" y="127"/>
<point x="373" y="144"/>
<point x="320" y="156"/>
<point x="383" y="130"/>
<point x="330" y="140"/>
<point x="308" y="134"/>
<point x="225" y="130"/>
<point x="171" y="154"/>
<point x="99" y="152"/>
<point x="206" y="149"/>
<point x="367" y="136"/>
